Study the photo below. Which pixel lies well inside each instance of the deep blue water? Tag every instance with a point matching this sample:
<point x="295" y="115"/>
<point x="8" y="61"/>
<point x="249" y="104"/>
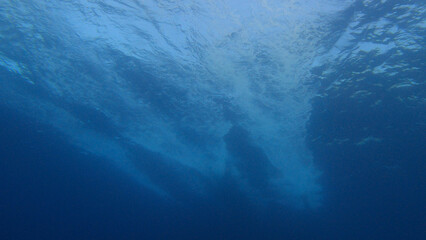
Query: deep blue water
<point x="51" y="190"/>
<point x="212" y="120"/>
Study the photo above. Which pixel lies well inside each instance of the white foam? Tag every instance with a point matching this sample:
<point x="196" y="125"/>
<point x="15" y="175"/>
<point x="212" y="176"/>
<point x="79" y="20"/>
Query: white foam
<point x="256" y="57"/>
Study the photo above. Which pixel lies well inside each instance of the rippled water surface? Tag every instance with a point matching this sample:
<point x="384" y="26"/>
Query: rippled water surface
<point x="131" y="119"/>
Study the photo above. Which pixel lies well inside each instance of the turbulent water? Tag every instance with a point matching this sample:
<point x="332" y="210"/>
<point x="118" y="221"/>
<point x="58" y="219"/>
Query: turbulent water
<point x="131" y="119"/>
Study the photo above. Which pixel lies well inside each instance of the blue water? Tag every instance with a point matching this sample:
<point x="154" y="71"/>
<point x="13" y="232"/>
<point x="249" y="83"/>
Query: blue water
<point x="212" y="119"/>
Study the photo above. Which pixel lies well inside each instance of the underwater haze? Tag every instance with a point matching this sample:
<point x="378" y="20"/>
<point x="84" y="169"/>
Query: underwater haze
<point x="213" y="119"/>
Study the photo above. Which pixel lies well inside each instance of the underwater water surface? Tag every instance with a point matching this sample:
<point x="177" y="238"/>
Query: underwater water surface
<point x="132" y="119"/>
